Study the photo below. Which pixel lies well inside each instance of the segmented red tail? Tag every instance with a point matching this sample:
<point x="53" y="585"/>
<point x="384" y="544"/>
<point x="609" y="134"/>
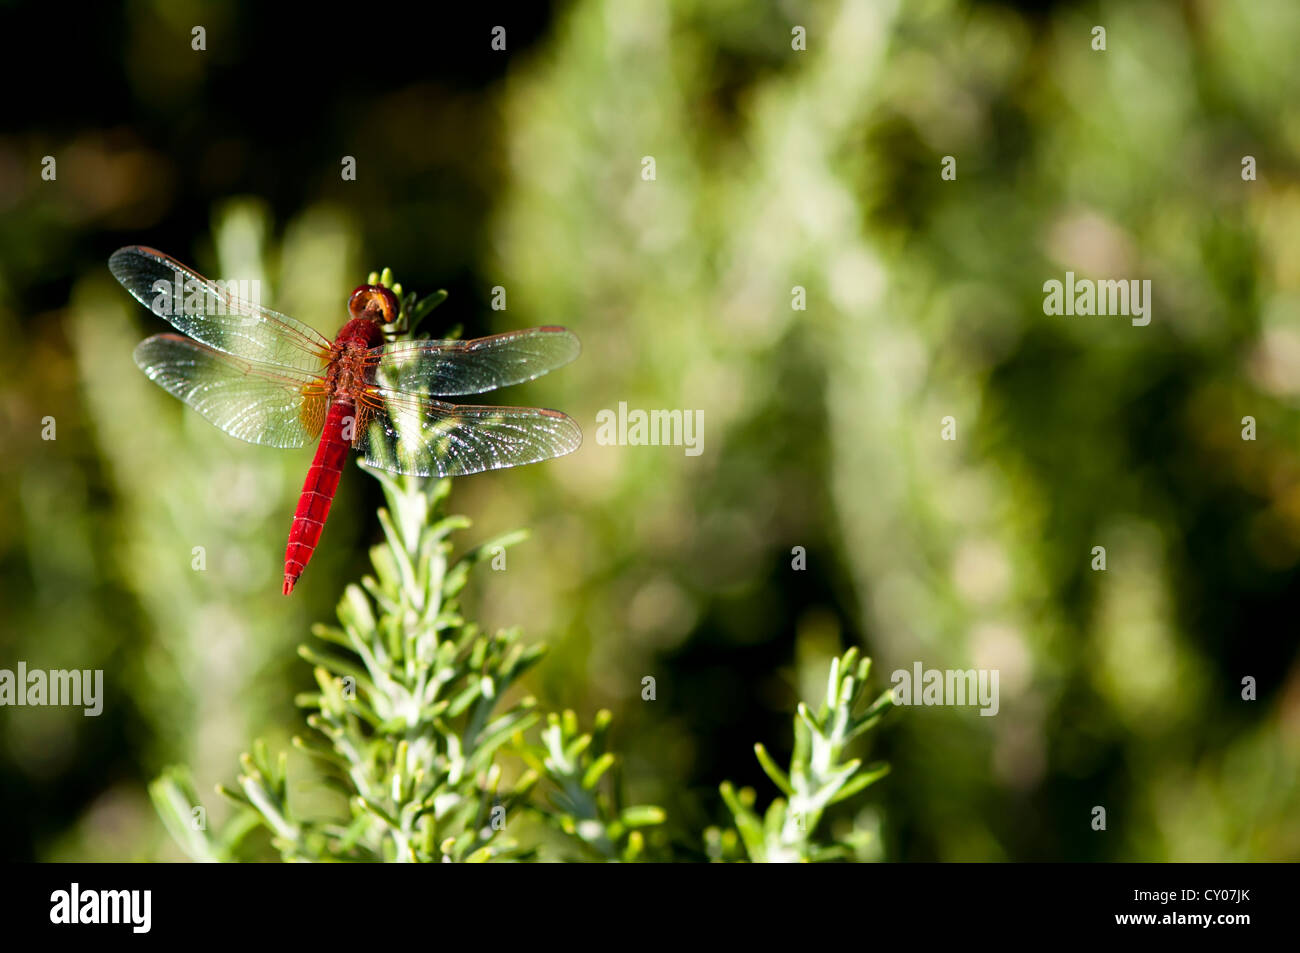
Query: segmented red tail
<point x="318" y="492"/>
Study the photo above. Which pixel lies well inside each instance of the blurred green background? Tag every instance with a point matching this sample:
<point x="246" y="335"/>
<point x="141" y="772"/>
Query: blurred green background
<point x="775" y="168"/>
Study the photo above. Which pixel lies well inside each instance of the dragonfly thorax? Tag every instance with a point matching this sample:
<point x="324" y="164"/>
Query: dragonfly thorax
<point x="346" y="374"/>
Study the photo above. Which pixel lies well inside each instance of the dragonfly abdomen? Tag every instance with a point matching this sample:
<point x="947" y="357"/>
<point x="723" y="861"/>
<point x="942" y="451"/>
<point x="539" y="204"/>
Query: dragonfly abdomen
<point x="318" y="490"/>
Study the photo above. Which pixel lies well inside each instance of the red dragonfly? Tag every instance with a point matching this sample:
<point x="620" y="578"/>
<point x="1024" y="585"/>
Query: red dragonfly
<point x="265" y="378"/>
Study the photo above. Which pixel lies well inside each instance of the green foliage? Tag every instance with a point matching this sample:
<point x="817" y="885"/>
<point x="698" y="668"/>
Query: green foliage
<point x="411" y="705"/>
<point x="412" y="715"/>
<point x="589" y="813"/>
<point x="818" y="776"/>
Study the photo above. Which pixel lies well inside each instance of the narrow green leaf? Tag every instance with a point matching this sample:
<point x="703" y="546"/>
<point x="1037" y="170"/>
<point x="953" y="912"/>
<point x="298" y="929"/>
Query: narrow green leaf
<point x="644" y="815"/>
<point x="869" y="776"/>
<point x="779" y="777"/>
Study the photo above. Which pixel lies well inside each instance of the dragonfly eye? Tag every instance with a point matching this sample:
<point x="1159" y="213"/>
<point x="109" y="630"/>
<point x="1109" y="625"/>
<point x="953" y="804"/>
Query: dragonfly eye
<point x="374" y="302"/>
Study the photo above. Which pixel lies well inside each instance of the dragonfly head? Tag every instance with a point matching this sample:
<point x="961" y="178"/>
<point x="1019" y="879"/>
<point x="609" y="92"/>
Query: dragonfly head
<point x="374" y="302"/>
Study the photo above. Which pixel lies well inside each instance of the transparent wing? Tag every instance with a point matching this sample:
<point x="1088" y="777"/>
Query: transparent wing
<point x="451" y="368"/>
<point x="259" y="403"/>
<point x="213" y="312"/>
<point x="421" y="436"/>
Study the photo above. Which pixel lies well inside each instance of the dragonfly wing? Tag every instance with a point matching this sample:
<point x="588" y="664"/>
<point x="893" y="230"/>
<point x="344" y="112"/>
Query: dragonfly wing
<point x="256" y="402"/>
<point x="421" y="436"/>
<point x="214" y="313"/>
<point x="451" y="368"/>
